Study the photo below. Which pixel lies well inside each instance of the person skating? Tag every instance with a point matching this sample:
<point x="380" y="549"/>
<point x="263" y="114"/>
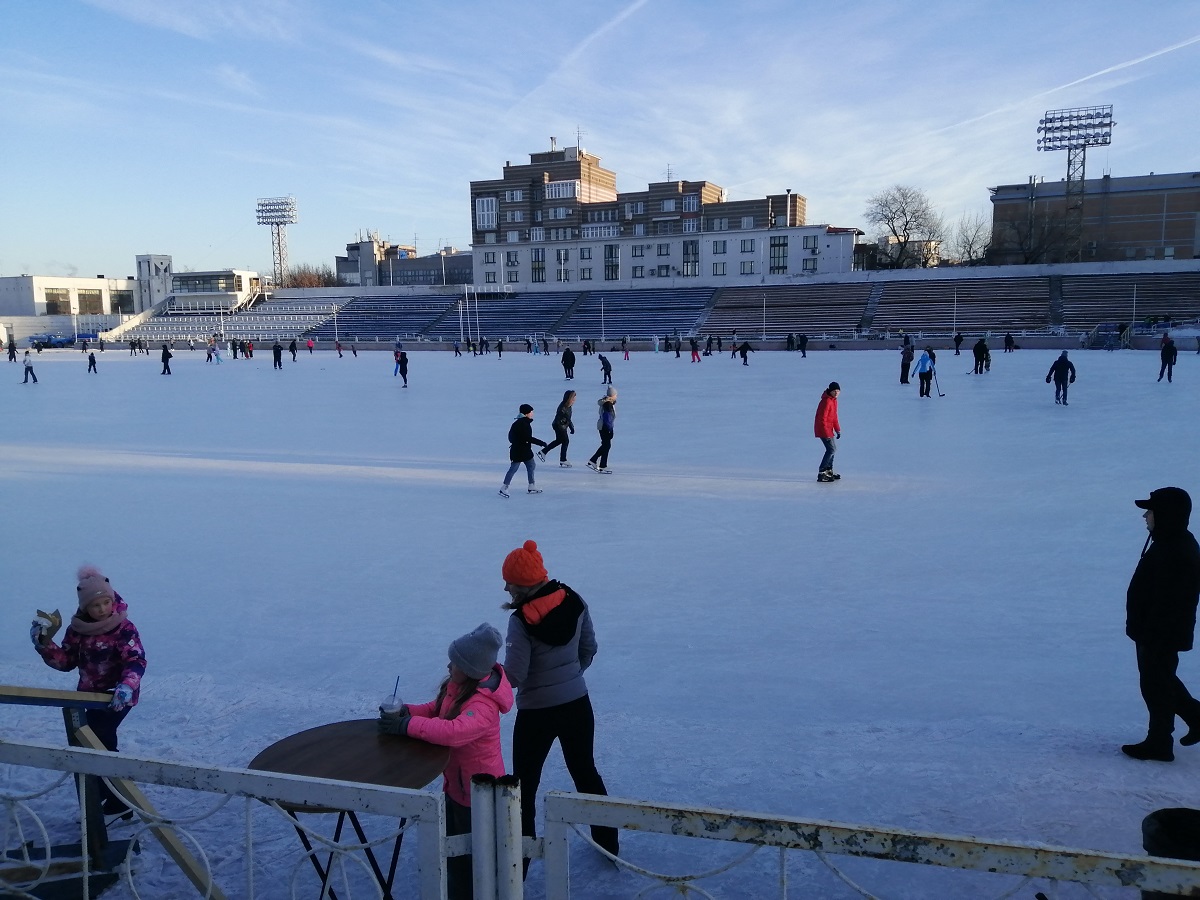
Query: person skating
<point x="1009" y="343"/>
<point x="464" y="716"/>
<point x="499" y="348"/>
<point x="92" y="363"/>
<point x="29" y="369"/>
<point x="337" y="345"/>
<point x="906" y="359"/>
<point x="292" y="349"/>
<point x="277" y="355"/>
<point x="958" y="339"/>
<point x="166" y="360"/>
<point x="12" y="349"/>
<point x="562" y="424"/>
<point x="402" y="365"/>
<point x="568" y="363"/>
<point x="606" y="425"/>
<point x="924" y="370"/>
<point x="802" y="345"/>
<point x="457" y="347"/>
<point x="678" y="346"/>
<point x="981" y="353"/>
<point x="1160" y="619"/>
<point x="310" y="343"/>
<point x="829" y="430"/>
<point x="550" y="643"/>
<point x="520" y="449"/>
<point x="625" y="347"/>
<point x="1062" y="372"/>
<point x="743" y="351"/>
<point x="695" y="344"/>
<point x="605" y="368"/>
<point x="107" y="650"/>
<point x="1167" y="355"/>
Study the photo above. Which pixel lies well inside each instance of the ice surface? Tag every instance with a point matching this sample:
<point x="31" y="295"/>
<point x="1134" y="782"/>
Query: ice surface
<point x="935" y="642"/>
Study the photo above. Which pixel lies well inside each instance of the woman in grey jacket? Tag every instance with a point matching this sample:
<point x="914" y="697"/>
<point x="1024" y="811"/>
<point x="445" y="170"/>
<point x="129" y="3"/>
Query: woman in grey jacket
<point x="550" y="643"/>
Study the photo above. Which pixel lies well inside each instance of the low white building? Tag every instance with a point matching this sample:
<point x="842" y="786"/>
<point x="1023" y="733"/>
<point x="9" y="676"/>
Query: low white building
<point x="60" y="295"/>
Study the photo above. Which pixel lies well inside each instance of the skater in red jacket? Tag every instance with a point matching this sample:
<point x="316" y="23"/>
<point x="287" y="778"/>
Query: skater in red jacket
<point x="829" y="430"/>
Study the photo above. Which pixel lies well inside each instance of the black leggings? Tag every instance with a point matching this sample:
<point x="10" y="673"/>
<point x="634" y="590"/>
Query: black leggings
<point x="561" y="439"/>
<point x="601" y="453"/>
<point x="573" y="724"/>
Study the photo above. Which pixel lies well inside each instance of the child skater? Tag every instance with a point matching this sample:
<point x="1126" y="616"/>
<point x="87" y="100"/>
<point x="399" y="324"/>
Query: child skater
<point x="106" y="648"/>
<point x="465" y="716"/>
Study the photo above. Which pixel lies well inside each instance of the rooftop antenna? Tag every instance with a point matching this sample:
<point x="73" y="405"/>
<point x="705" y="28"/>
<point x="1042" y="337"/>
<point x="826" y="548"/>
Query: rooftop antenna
<point x="579" y="133"/>
<point x="278" y="212"/>
<point x="668" y="171"/>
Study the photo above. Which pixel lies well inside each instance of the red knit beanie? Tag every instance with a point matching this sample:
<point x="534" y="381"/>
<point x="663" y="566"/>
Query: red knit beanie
<point x="524" y="566"/>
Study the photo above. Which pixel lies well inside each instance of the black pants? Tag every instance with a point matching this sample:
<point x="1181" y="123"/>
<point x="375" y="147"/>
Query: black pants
<point x="978" y="366"/>
<point x="1166" y="368"/>
<point x="104" y="723"/>
<point x="601" y="453"/>
<point x="569" y="371"/>
<point x="573" y="725"/>
<point x="166" y="368"/>
<point x="561" y="439"/>
<point x="1060" y="391"/>
<point x="92" y="366"/>
<point x="1165" y="695"/>
<point x="29" y="374"/>
<point x="607" y="379"/>
<point x="903" y="372"/>
<point x="459" y="880"/>
<point x="926" y="380"/>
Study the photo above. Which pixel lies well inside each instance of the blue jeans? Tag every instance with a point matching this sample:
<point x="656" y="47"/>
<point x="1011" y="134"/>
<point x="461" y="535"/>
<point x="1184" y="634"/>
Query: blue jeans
<point x="830" y="450"/>
<point x="529" y="465"/>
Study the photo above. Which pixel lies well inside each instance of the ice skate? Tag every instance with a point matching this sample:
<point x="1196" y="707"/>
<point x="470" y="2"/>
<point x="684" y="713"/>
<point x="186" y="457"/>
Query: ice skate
<point x="825" y="477"/>
<point x="504" y="492"/>
<point x="533" y="490"/>
<point x="564" y="465"/>
<point x="592" y="465"/>
<point x="541" y="455"/>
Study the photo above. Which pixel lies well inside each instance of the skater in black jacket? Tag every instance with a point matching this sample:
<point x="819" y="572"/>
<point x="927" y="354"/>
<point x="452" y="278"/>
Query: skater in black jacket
<point x="606" y="368"/>
<point x="1167" y="355"/>
<point x="958" y="339"/>
<point x="906" y="358"/>
<point x="568" y="363"/>
<point x="277" y="355"/>
<point x="1161" y="620"/>
<point x="562" y="424"/>
<point x="743" y="350"/>
<point x="166" y="360"/>
<point x="980" y="352"/>
<point x="1062" y="371"/>
<point x="520" y="450"/>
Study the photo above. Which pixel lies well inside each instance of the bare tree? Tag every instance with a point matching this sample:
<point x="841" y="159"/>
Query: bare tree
<point x="972" y="239"/>
<point x="909" y="228"/>
<point x="310" y="276"/>
<point x="1035" y="239"/>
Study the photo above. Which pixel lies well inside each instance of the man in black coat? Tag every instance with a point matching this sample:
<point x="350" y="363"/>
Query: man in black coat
<point x="568" y="362"/>
<point x="1062" y="371"/>
<point x="1167" y="355"/>
<point x="1161" y="620"/>
<point x="958" y="339"/>
<point x="980" y="352"/>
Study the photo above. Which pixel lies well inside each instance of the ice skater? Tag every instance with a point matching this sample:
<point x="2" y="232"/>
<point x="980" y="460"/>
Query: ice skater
<point x="828" y="430"/>
<point x="92" y="363"/>
<point x="166" y="360"/>
<point x="743" y="351"/>
<point x="606" y="425"/>
<point x="605" y="368"/>
<point x="277" y="355"/>
<point x="568" y="363"/>
<point x="906" y="359"/>
<point x="106" y="648"/>
<point x="1167" y="356"/>
<point x="1062" y="372"/>
<point x="562" y="424"/>
<point x="464" y="716"/>
<point x="924" y="371"/>
<point x="402" y="365"/>
<point x="520" y="450"/>
<point x="29" y="373"/>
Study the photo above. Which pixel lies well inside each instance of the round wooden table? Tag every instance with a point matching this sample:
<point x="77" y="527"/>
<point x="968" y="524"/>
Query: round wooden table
<point x="354" y="751"/>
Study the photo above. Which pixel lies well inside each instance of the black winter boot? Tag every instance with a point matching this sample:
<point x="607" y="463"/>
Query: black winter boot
<point x="1152" y="750"/>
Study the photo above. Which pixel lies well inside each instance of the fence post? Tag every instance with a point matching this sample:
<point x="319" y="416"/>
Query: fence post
<point x="556" y="856"/>
<point x="510" y="869"/>
<point x="483" y="836"/>
<point x="431" y="850"/>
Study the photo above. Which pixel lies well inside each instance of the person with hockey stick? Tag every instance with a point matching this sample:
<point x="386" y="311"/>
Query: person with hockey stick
<point x="562" y="424"/>
<point x="924" y="372"/>
<point x="1062" y="371"/>
<point x="828" y="430"/>
<point x="107" y="650"/>
<point x="981" y="353"/>
<point x="520" y="449"/>
<point x="1160" y="619"/>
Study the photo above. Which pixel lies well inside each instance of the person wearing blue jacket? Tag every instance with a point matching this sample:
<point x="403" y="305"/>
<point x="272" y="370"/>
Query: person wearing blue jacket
<point x="924" y="371"/>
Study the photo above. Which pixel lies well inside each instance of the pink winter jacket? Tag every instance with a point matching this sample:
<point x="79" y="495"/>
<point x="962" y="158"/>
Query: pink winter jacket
<point x="473" y="736"/>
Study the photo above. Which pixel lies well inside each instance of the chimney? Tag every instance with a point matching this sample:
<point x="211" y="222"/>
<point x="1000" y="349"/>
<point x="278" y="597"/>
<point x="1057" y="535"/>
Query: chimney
<point x="553" y="143"/>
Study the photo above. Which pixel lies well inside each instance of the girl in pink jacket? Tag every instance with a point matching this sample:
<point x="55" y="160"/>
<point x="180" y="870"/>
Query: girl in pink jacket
<point x="465" y="716"/>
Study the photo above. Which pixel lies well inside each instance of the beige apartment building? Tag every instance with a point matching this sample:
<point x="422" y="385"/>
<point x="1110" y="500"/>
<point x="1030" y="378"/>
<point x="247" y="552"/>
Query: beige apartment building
<point x="1134" y="218"/>
<point x="559" y="223"/>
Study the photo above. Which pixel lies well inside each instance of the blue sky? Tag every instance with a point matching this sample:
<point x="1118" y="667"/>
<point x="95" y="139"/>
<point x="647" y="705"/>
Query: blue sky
<point x="152" y="126"/>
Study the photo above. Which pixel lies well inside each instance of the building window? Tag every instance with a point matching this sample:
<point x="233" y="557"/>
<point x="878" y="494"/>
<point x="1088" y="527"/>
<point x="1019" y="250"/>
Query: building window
<point x="511" y="258"/>
<point x="557" y="212"/>
<point x="512" y="276"/>
<point x="585" y="274"/>
<point x="490" y="237"/>
<point x="585" y="252"/>
<point x="1168" y="252"/>
<point x="691" y="203"/>
<point x="747" y="267"/>
<point x="514" y="196"/>
<point x="779" y="254"/>
<point x="747" y="221"/>
<point x="810" y="241"/>
<point x="537" y="257"/>
<point x="637" y="251"/>
<point x="121" y="302"/>
<point x="718" y="224"/>
<point x="489" y="258"/>
<point x="489" y="277"/>
<point x="58" y="301"/>
<point x="635" y="209"/>
<point x="560" y="234"/>
<point x="809" y="264"/>
<point x="639" y="229"/>
<point x="719" y="268"/>
<point x="562" y="256"/>
<point x="691" y="226"/>
<point x="562" y="190"/>
<point x="664" y="227"/>
<point x="564" y="275"/>
<point x="514" y="215"/>
<point x="691" y="259"/>
<point x="537" y="234"/>
<point x="485" y="213"/>
<point x="639" y="271"/>
<point x="667" y="205"/>
<point x="748" y="245"/>
<point x="664" y="249"/>
<point x="612" y="262"/>
<point x="512" y="237"/>
<point x="91" y="302"/>
<point x="664" y="271"/>
<point x="537" y="215"/>
<point x="719" y="247"/>
<point x="599" y="232"/>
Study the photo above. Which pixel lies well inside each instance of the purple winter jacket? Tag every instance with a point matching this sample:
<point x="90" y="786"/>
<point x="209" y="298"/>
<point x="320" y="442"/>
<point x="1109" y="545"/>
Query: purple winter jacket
<point x="103" y="660"/>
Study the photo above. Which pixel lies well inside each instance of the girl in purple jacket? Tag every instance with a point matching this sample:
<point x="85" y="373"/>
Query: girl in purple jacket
<point x="106" y="648"/>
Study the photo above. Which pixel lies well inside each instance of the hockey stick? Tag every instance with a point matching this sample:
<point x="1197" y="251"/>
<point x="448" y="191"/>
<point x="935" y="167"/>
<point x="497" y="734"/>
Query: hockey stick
<point x="938" y="386"/>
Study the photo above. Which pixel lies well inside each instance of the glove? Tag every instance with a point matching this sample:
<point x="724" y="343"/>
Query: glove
<point x="122" y="698"/>
<point x="1071" y="380"/>
<point x="838" y="435"/>
<point x="37" y="634"/>
<point x="394" y="725"/>
<point x="1047" y="379"/>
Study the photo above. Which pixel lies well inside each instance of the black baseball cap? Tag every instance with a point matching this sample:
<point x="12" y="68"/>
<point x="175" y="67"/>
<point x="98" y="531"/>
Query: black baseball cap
<point x="1169" y="497"/>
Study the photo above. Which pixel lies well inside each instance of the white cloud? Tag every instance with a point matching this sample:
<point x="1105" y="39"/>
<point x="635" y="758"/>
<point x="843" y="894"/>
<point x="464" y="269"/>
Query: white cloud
<point x="237" y="80"/>
<point x="272" y="19"/>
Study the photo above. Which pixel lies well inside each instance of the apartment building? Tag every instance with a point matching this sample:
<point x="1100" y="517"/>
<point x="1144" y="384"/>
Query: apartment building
<point x="559" y="222"/>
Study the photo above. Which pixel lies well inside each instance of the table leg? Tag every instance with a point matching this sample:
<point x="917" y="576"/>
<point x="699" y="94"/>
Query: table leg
<point x="385" y="883"/>
<point x="322" y="872"/>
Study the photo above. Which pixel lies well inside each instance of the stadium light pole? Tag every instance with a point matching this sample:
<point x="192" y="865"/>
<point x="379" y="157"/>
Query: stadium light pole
<point x="1074" y="130"/>
<point x="278" y="212"/>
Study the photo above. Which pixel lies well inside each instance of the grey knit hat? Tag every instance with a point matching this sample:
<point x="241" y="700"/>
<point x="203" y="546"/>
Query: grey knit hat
<point x="475" y="653"/>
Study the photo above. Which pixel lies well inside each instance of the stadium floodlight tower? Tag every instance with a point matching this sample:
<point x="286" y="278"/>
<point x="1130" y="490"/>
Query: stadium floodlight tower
<point x="278" y="212"/>
<point x="1074" y="130"/>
